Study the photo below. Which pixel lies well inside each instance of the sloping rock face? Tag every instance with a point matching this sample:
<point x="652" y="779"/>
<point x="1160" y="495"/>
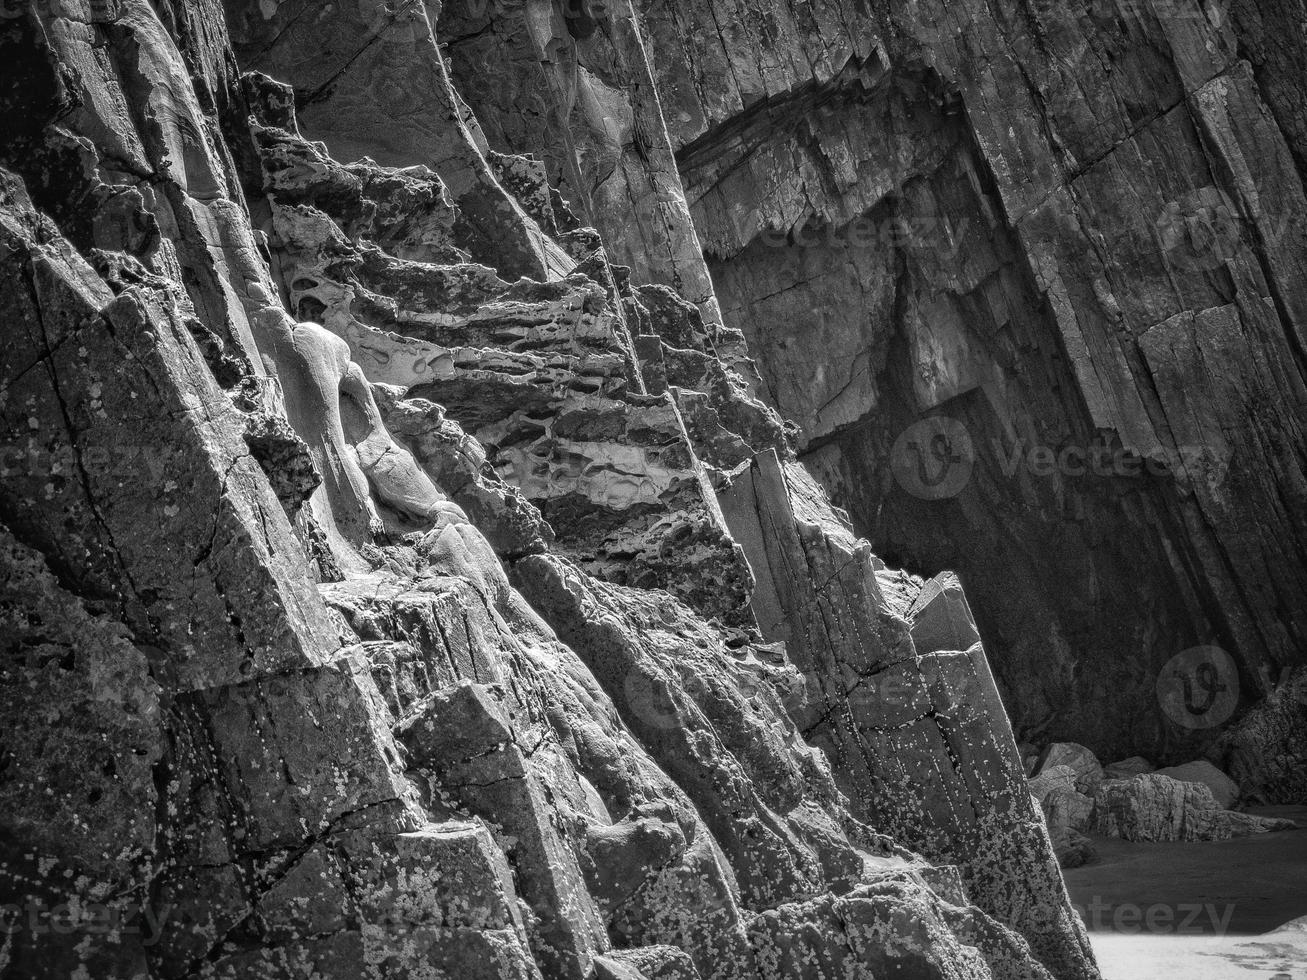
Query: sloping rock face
<point x="394" y="586"/>
<point x="1028" y="279"/>
<point x="1112" y="345"/>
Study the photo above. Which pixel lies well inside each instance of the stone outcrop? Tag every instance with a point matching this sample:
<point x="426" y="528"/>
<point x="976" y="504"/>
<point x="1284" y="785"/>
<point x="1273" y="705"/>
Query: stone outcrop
<point x="408" y="572"/>
<point x="1125" y="768"/>
<point x="1153" y="807"/>
<point x="944" y="232"/>
<point x="1224" y="789"/>
<point x="1267" y="750"/>
<point x="1086" y="771"/>
<point x="394" y="585"/>
<point x="1129" y="800"/>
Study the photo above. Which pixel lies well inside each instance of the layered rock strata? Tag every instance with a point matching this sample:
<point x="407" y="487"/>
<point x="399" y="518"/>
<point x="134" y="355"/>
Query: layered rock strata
<point x="395" y="586"/>
<point x="1027" y="279"/>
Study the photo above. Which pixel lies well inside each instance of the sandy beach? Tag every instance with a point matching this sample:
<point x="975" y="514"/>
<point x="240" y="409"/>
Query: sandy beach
<point x="1233" y="910"/>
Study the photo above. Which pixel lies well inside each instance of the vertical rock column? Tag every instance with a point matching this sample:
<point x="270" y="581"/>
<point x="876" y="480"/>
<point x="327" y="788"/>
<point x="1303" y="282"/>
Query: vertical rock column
<point x="905" y="705"/>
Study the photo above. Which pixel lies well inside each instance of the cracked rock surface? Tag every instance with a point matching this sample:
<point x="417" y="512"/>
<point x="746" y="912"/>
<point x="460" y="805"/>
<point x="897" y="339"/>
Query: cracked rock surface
<point x="406" y="571"/>
<point x="1074" y="233"/>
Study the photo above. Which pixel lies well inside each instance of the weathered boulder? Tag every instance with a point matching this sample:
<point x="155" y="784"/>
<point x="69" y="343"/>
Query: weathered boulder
<point x="1067" y="812"/>
<point x="1134" y="766"/>
<point x="1224" y="789"/>
<point x="1068" y="808"/>
<point x="1154" y="807"/>
<point x="1080" y="760"/>
<point x="646" y="963"/>
<point x="1051" y="780"/>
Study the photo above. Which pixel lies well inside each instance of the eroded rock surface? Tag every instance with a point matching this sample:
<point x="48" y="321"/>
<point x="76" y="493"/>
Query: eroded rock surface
<point x="395" y="584"/>
<point x="1028" y="280"/>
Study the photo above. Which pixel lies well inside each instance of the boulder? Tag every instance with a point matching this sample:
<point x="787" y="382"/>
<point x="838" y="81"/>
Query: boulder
<point x="1068" y="808"/>
<point x="645" y="963"/>
<point x="1152" y="807"/>
<point x="1134" y="766"/>
<point x="1224" y="789"/>
<point x="1050" y="780"/>
<point x="1088" y="770"/>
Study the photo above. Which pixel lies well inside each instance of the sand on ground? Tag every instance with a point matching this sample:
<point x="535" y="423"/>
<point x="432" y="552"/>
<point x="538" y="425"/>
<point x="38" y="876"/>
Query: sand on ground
<point x="1230" y="910"/>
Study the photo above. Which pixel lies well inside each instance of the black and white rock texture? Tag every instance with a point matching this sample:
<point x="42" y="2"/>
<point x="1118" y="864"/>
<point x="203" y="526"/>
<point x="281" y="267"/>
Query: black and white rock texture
<point x="1132" y="801"/>
<point x="1026" y="277"/>
<point x="406" y="570"/>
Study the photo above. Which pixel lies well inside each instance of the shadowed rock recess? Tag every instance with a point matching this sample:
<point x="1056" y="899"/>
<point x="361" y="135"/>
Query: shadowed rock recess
<point x="405" y="570"/>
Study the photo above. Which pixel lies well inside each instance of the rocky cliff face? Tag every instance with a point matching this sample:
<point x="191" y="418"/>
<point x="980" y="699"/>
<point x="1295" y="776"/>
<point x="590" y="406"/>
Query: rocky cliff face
<point x="402" y="575"/>
<point x="1026" y="277"/>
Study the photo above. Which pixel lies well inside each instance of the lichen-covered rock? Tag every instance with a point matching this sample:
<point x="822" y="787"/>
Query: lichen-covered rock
<point x="646" y="963"/>
<point x="885" y="708"/>
<point x="891" y="927"/>
<point x="1051" y="780"/>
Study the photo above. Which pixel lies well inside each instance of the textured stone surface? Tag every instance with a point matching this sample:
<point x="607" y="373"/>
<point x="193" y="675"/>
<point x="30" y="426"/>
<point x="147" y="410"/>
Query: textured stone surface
<point x="1153" y="807"/>
<point x="1083" y="764"/>
<point x="896" y="690"/>
<point x="395" y="585"/>
<point x="1224" y="789"/>
<point x="1051" y="225"/>
<point x="1267" y="751"/>
<point x="988" y="271"/>
<point x="1133" y="766"/>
